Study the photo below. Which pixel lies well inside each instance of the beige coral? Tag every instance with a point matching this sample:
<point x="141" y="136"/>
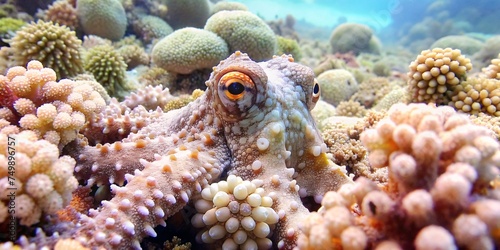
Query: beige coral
<point x="493" y="70"/>
<point x="441" y="169"/>
<point x="435" y="72"/>
<point x="56" y="111"/>
<point x="477" y="95"/>
<point x="43" y="181"/>
<point x="350" y="108"/>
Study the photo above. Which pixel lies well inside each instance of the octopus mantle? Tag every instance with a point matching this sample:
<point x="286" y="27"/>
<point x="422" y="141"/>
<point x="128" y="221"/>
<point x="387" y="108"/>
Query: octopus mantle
<point x="253" y="122"/>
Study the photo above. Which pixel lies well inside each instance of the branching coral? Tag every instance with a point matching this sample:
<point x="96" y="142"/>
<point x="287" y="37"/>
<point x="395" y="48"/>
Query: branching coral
<point x="54" y="110"/>
<point x="435" y="72"/>
<point x="440" y="173"/>
<point x="43" y="181"/>
<point x="57" y="47"/>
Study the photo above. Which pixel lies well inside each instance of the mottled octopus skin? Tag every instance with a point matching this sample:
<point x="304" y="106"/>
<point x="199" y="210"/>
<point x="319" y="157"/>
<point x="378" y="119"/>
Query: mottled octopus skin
<point x="185" y="150"/>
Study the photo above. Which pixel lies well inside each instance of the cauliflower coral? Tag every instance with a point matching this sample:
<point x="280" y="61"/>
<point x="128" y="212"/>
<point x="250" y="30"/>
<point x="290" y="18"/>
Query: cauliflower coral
<point x="441" y="174"/>
<point x="55" y="111"/>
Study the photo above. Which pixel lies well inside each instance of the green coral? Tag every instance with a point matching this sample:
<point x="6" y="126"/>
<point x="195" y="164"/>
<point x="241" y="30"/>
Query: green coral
<point x="225" y="5"/>
<point x="104" y="18"/>
<point x="187" y="13"/>
<point x="245" y="32"/>
<point x="108" y="68"/>
<point x="151" y="27"/>
<point x="55" y="46"/>
<point x="354" y="37"/>
<point x="289" y="46"/>
<point x="467" y="45"/>
<point x="189" y="49"/>
<point x="337" y="85"/>
<point x="8" y="24"/>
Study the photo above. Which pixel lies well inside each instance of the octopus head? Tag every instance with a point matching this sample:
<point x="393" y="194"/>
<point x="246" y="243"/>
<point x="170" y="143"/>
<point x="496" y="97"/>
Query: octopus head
<point x="265" y="110"/>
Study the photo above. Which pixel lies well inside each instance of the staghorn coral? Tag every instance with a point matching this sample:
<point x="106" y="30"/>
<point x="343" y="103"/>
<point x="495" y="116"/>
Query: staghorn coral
<point x="108" y="68"/>
<point x="104" y="18"/>
<point x="350" y="108"/>
<point x="179" y="153"/>
<point x="477" y="95"/>
<point x="337" y="85"/>
<point x="189" y="49"/>
<point x="56" y="111"/>
<point x="235" y="213"/>
<point x="43" y="181"/>
<point x="435" y="72"/>
<point x="244" y="31"/>
<point x="440" y="170"/>
<point x="57" y="47"/>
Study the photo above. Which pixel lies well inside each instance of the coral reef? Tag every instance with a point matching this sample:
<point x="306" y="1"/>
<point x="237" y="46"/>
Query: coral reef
<point x="440" y="173"/>
<point x="435" y="72"/>
<point x="244" y="31"/>
<point x="57" y="47"/>
<point x="104" y="18"/>
<point x="337" y="85"/>
<point x="189" y="49"/>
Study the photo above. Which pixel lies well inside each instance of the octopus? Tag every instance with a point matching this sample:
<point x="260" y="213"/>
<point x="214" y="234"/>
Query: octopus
<point x="252" y="125"/>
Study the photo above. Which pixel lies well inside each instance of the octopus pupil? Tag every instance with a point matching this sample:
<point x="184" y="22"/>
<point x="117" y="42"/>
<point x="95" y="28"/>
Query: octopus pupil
<point x="235" y="88"/>
<point x="316" y="88"/>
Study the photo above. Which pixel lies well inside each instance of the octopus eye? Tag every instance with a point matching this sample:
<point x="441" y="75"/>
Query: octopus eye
<point x="235" y="85"/>
<point x="315" y="92"/>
